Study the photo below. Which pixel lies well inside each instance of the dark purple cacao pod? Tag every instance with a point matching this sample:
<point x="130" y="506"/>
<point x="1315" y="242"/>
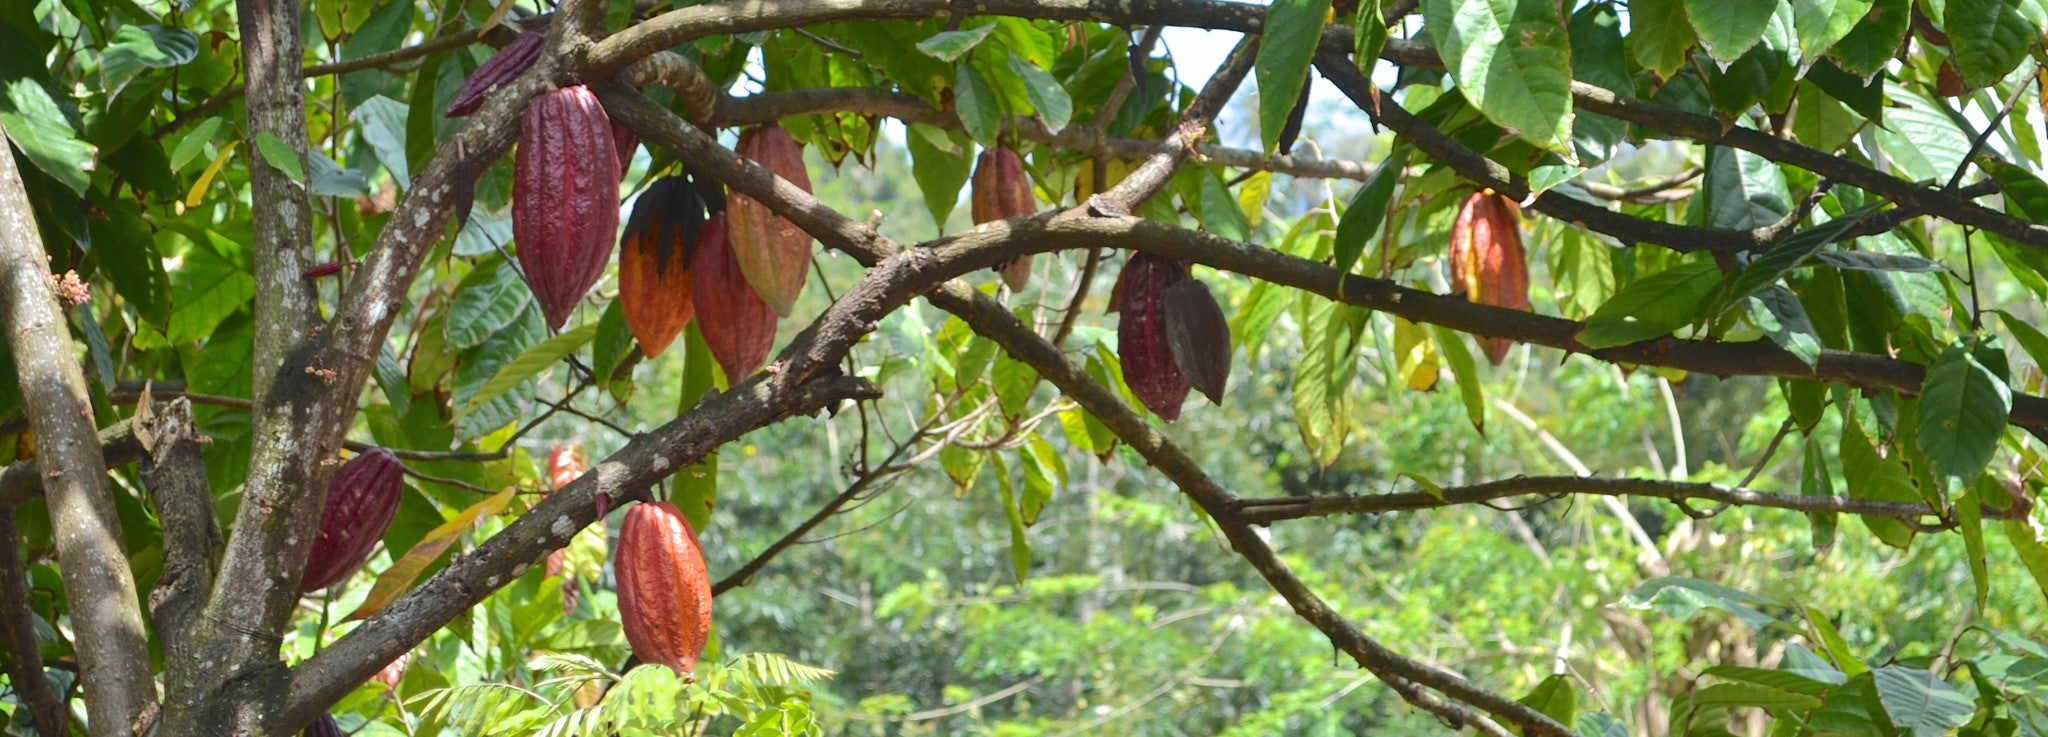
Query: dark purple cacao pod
<point x="664" y="588"/>
<point x="502" y="67"/>
<point x="359" y="508"/>
<point x="738" y="326"/>
<point x="1199" y="337"/>
<point x="1002" y="190"/>
<point x="773" y="253"/>
<point x="324" y="726"/>
<point x="1141" y="338"/>
<point x="654" y="262"/>
<point x="565" y="198"/>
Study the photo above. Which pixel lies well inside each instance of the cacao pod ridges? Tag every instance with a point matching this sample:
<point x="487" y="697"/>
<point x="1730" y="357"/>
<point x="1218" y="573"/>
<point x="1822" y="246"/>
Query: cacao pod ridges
<point x="773" y="253"/>
<point x="1142" y="344"/>
<point x="654" y="262"/>
<point x="565" y="198"/>
<point x="738" y="326"/>
<point x="360" y="503"/>
<point x="1001" y="189"/>
<point x="664" y="590"/>
<point x="1199" y="336"/>
<point x="1487" y="262"/>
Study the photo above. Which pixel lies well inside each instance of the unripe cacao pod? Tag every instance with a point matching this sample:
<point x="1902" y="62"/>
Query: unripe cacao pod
<point x="773" y="253"/>
<point x="1141" y="338"/>
<point x="664" y="589"/>
<point x="502" y="67"/>
<point x="360" y="504"/>
<point x="1486" y="260"/>
<point x="738" y="326"/>
<point x="565" y="198"/>
<point x="1002" y="190"/>
<point x="654" y="262"/>
<point x="1199" y="337"/>
<point x="324" y="726"/>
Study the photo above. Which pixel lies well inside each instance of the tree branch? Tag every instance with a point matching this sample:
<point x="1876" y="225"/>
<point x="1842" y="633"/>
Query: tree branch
<point x="18" y="630"/>
<point x="21" y="481"/>
<point x="106" y="615"/>
<point x="175" y="474"/>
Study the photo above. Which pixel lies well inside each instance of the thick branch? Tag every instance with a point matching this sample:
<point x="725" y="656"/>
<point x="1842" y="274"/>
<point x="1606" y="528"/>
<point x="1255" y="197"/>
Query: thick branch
<point x="18" y="630"/>
<point x="21" y="481"/>
<point x="175" y="474"/>
<point x="1268" y="511"/>
<point x="106" y="615"/>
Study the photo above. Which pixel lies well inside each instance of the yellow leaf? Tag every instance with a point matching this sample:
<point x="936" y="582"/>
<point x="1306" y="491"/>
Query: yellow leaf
<point x="1416" y="355"/>
<point x="198" y="192"/>
<point x="400" y="575"/>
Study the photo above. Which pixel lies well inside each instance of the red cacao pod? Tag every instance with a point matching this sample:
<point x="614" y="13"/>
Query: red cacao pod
<point x="623" y="144"/>
<point x="654" y="262"/>
<point x="1001" y="190"/>
<point x="1199" y="337"/>
<point x="664" y="589"/>
<point x="565" y="198"/>
<point x="360" y="504"/>
<point x="1487" y="262"/>
<point x="738" y="326"/>
<point x="325" y="726"/>
<point x="1141" y="338"/>
<point x="773" y="253"/>
<point x="502" y="67"/>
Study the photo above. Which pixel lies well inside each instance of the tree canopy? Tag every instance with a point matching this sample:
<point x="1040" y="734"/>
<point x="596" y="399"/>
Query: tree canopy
<point x="1543" y="349"/>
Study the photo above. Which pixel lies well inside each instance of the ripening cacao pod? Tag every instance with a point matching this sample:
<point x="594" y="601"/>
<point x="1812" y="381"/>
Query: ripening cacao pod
<point x="565" y="463"/>
<point x="565" y="198"/>
<point x="502" y="67"/>
<point x="1141" y="338"/>
<point x="654" y="262"/>
<point x="391" y="674"/>
<point x="325" y="726"/>
<point x="773" y="253"/>
<point x="1487" y="262"/>
<point x="1199" y="337"/>
<point x="738" y="326"/>
<point x="360" y="504"/>
<point x="1002" y="190"/>
<point x="664" y="589"/>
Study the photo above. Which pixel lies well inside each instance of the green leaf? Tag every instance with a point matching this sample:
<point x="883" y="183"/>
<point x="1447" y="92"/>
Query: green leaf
<point x="1814" y="480"/>
<point x="1322" y="382"/>
<point x="1790" y="254"/>
<point x="1513" y="62"/>
<point x="1743" y="190"/>
<point x="1682" y="597"/>
<point x="1020" y="546"/>
<point x="2026" y="538"/>
<point x="1045" y="93"/>
<point x="1777" y="312"/>
<point x="126" y="251"/>
<point x="941" y="165"/>
<point x="1044" y="472"/>
<point x="205" y="291"/>
<point x="139" y="47"/>
<point x="489" y="299"/>
<point x="1875" y="39"/>
<point x="1782" y="680"/>
<point x="976" y="101"/>
<point x="1660" y="35"/>
<point x="950" y="45"/>
<point x="194" y="142"/>
<point x="1219" y="210"/>
<point x="1651" y="306"/>
<point x="612" y="344"/>
<point x="1970" y="522"/>
<point x="1465" y="371"/>
<point x="382" y="123"/>
<point x="1870" y="261"/>
<point x="1963" y="407"/>
<point x="1917" y="701"/>
<point x="1013" y="380"/>
<point x="1989" y="38"/>
<point x="1554" y="698"/>
<point x="1870" y="476"/>
<point x="1751" y="695"/>
<point x="279" y="155"/>
<point x="696" y="487"/>
<point x="1286" y="45"/>
<point x="39" y="128"/>
<point x="1823" y="22"/>
<point x="1368" y="209"/>
<point x="1728" y="28"/>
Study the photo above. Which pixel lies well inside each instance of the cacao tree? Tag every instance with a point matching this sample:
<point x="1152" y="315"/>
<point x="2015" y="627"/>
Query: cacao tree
<point x="302" y="299"/>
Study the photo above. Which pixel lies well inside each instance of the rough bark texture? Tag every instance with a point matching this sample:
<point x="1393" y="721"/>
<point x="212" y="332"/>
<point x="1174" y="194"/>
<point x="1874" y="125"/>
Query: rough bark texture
<point x="113" y="654"/>
<point x="175" y="474"/>
<point x="18" y="630"/>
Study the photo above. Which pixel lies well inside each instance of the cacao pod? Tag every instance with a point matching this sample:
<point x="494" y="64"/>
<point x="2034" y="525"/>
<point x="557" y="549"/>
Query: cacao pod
<point x="1199" y="337"/>
<point x="565" y="198"/>
<point x="1141" y="338"/>
<point x="325" y="726"/>
<point x="502" y="67"/>
<point x="360" y="504"/>
<point x="624" y="143"/>
<point x="391" y="674"/>
<point x="565" y="463"/>
<point x="773" y="253"/>
<point x="1001" y="190"/>
<point x="1487" y="262"/>
<point x="654" y="262"/>
<point x="664" y="589"/>
<point x="738" y="326"/>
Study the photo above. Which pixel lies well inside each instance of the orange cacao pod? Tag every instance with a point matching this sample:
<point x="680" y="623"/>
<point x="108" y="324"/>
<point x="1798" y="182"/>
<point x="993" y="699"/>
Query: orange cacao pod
<point x="1142" y="344"/>
<point x="664" y="589"/>
<point x="1198" y="336"/>
<point x="360" y="503"/>
<point x="565" y="198"/>
<point x="738" y="326"/>
<point x="773" y="253"/>
<point x="1002" y="190"/>
<point x="654" y="262"/>
<point x="565" y="463"/>
<point x="502" y="67"/>
<point x="1487" y="262"/>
